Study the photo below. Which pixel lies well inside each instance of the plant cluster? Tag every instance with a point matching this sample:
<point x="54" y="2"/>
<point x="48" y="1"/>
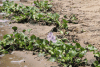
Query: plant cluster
<point x="66" y="54"/>
<point x="38" y="12"/>
<point x="43" y="5"/>
<point x="97" y="56"/>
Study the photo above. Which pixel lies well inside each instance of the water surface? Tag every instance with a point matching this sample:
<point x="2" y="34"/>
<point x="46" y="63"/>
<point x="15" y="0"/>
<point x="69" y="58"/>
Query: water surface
<point x="8" y="61"/>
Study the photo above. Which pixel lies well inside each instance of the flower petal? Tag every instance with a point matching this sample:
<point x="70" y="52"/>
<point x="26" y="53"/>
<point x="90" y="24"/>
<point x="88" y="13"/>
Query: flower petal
<point x="49" y="39"/>
<point x="53" y="37"/>
<point x="54" y="41"/>
<point x="33" y="4"/>
<point x="51" y="34"/>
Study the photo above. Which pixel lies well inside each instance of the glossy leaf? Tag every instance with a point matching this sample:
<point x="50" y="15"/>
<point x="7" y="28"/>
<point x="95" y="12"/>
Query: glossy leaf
<point x="14" y="28"/>
<point x="52" y="59"/>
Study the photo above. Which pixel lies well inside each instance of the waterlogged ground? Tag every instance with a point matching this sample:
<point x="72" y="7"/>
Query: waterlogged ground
<point x="12" y="61"/>
<point x="23" y="58"/>
<point x="88" y="15"/>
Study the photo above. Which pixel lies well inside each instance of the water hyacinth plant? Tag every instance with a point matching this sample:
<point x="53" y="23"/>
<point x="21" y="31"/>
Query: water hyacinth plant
<point x="51" y="37"/>
<point x="67" y="54"/>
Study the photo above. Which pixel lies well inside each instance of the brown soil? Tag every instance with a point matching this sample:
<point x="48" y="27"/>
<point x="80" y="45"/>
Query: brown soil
<point x="30" y="60"/>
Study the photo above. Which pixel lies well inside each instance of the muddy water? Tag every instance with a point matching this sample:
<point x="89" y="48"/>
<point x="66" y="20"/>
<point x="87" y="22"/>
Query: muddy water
<point x="3" y="27"/>
<point x="9" y="60"/>
<point x="12" y="61"/>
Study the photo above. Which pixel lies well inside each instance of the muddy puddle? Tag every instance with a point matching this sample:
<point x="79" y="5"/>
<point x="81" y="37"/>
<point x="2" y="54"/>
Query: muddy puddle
<point x="12" y="61"/>
<point x="4" y="26"/>
<point x="9" y="60"/>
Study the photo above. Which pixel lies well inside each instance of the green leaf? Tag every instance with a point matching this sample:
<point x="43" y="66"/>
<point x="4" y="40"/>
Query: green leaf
<point x="70" y="65"/>
<point x="40" y="41"/>
<point x="49" y="6"/>
<point x="65" y="21"/>
<point x="40" y="15"/>
<point x="41" y="55"/>
<point x="61" y="32"/>
<point x="67" y="58"/>
<point x="36" y="44"/>
<point x="91" y="48"/>
<point x="64" y="46"/>
<point x="64" y="25"/>
<point x="33" y="37"/>
<point x="97" y="54"/>
<point x="11" y="35"/>
<point x="66" y="32"/>
<point x="72" y="53"/>
<point x="81" y="54"/>
<point x="65" y="16"/>
<point x="52" y="59"/>
<point x="16" y="5"/>
<point x="29" y="30"/>
<point x="17" y="35"/>
<point x="5" y="36"/>
<point x="98" y="65"/>
<point x="5" y="52"/>
<point x="14" y="28"/>
<point x="65" y="39"/>
<point x="77" y="60"/>
<point x="85" y="60"/>
<point x="24" y="30"/>
<point x="95" y="63"/>
<point x="58" y="23"/>
<point x="78" y="45"/>
<point x="50" y="51"/>
<point x="69" y="44"/>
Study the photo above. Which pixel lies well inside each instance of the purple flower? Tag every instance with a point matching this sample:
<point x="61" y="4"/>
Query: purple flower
<point x="33" y="4"/>
<point x="51" y="37"/>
